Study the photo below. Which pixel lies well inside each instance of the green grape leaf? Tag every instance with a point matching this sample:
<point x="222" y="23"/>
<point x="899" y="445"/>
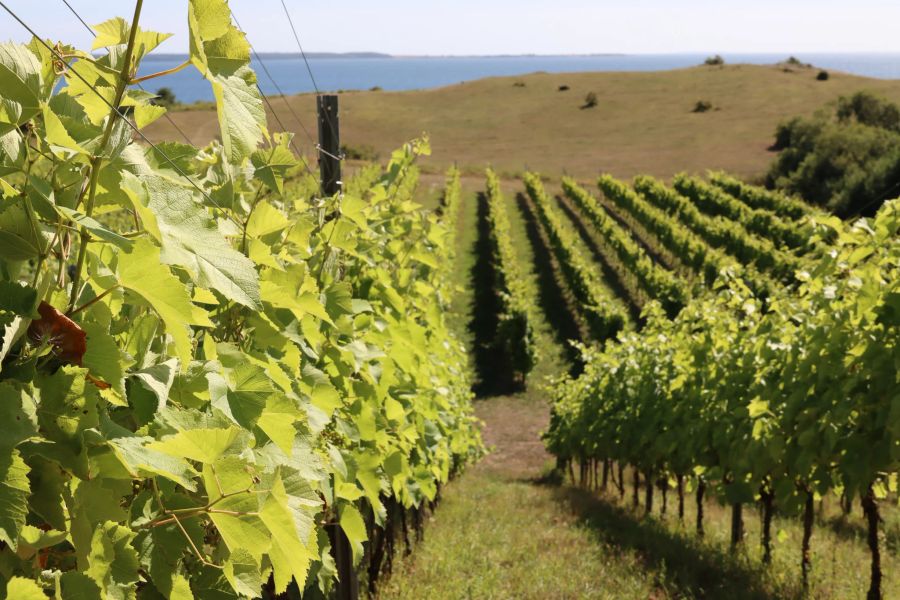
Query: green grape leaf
<point x="93" y="227"/>
<point x="38" y="539"/>
<point x="142" y="272"/>
<point x="191" y="239"/>
<point x="19" y="588"/>
<point x="11" y="330"/>
<point x="19" y="240"/>
<point x="67" y="408"/>
<point x="18" y="299"/>
<point x="266" y="219"/>
<point x="248" y="388"/>
<point x="289" y="554"/>
<point x="242" y="572"/>
<point x="94" y="501"/>
<point x="238" y="519"/>
<point x="277" y="421"/>
<point x="17" y="415"/>
<point x="47" y="486"/>
<point x="202" y="445"/>
<point x="145" y="114"/>
<point x="139" y="456"/>
<point x="104" y="360"/>
<point x="57" y="136"/>
<point x="20" y="78"/>
<point x="272" y="166"/>
<point x="113" y="562"/>
<point x="162" y="547"/>
<point x="14" y="490"/>
<point x="164" y="154"/>
<point x="221" y="53"/>
<point x="73" y="585"/>
<point x="354" y="527"/>
<point x="116" y="31"/>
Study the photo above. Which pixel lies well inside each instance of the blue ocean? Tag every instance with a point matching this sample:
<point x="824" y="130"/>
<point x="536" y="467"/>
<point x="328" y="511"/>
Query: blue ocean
<point x="401" y="73"/>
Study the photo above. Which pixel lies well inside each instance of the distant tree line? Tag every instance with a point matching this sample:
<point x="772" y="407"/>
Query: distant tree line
<point x="845" y="158"/>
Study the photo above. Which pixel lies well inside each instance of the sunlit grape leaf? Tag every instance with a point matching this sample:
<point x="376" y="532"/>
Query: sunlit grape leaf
<point x="19" y="588"/>
<point x="221" y="53"/>
<point x="142" y="272"/>
<point x="354" y="527"/>
<point x="202" y="445"/>
<point x="113" y="561"/>
<point x="191" y="239"/>
<point x="14" y="490"/>
<point x="289" y="554"/>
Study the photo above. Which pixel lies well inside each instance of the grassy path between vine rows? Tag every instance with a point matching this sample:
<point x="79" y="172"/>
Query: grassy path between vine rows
<point x="506" y="528"/>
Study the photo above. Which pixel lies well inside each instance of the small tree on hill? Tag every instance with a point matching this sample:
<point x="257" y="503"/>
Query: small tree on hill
<point x="590" y="101"/>
<point x="165" y="97"/>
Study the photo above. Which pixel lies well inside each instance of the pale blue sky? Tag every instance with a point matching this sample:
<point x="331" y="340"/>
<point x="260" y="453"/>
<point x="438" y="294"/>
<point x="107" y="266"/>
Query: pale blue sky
<point x="510" y="26"/>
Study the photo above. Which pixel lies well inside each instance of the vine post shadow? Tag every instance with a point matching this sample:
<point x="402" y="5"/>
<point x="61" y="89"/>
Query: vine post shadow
<point x="688" y="569"/>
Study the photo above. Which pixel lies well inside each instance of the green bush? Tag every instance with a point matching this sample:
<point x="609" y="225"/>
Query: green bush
<point x="846" y="159"/>
<point x="361" y="152"/>
<point x="702" y="106"/>
<point x="714" y="61"/>
<point x="868" y="109"/>
<point x="165" y="97"/>
<point x="823" y="76"/>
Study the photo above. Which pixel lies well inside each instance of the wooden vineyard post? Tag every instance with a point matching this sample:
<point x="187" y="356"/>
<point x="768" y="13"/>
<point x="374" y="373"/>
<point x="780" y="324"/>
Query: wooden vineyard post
<point x="348" y="583"/>
<point x="329" y="144"/>
<point x="330" y="175"/>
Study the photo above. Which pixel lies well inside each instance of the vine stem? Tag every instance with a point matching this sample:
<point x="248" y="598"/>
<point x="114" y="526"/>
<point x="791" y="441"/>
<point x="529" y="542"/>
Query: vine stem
<point x="96" y="161"/>
<point x="162" y="73"/>
<point x="92" y="302"/>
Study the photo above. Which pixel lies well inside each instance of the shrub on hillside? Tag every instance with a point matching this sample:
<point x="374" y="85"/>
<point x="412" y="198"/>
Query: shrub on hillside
<point x="361" y="152"/>
<point x="590" y="101"/>
<point x="702" y="106"/>
<point x="793" y="61"/>
<point x="714" y="61"/>
<point x="563" y="88"/>
<point x="868" y="109"/>
<point x="165" y="97"/>
<point x="822" y="76"/>
<point x="846" y="158"/>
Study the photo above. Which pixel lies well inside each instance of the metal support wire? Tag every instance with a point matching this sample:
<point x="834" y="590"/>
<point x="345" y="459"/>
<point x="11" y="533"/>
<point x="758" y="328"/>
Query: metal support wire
<point x="94" y="33"/>
<point x="300" y="46"/>
<point x="309" y="70"/>
<point x="175" y="125"/>
<point x="269" y="103"/>
<point x="115" y="110"/>
<point x="274" y="82"/>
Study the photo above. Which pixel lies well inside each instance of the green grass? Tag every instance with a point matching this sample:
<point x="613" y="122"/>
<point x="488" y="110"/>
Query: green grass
<point x="643" y="123"/>
<point x="499" y="533"/>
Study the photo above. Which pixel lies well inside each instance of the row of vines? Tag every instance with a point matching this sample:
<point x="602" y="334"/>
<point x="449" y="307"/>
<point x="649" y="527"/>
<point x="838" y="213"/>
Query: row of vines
<point x="207" y="370"/>
<point x="768" y="392"/>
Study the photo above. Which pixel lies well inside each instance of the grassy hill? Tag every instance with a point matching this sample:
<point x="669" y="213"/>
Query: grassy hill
<point x="644" y="122"/>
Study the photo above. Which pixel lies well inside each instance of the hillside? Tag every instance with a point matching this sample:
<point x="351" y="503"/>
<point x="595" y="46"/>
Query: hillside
<point x="643" y="124"/>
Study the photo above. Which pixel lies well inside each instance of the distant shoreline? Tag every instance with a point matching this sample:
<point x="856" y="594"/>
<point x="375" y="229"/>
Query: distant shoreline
<point x="362" y="55"/>
<point x="381" y="55"/>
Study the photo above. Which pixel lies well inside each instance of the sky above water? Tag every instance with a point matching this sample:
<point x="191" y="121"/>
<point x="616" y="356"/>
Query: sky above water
<point x="470" y="27"/>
